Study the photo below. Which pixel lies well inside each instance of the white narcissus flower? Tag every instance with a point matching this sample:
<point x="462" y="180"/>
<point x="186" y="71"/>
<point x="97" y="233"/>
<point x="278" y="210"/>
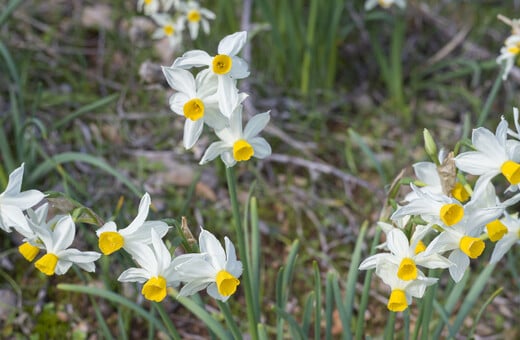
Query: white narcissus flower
<point x="509" y="227"/>
<point x="32" y="241"/>
<point x="214" y="269"/>
<point x="402" y="291"/>
<point x="439" y="209"/>
<point x="370" y="4"/>
<point x="13" y="201"/>
<point x="157" y="270"/>
<point x="406" y="255"/>
<point x="172" y="30"/>
<point x="196" y="100"/>
<point x="494" y="154"/>
<point x="59" y="257"/>
<point x="237" y="145"/>
<point x="138" y="232"/>
<point x="509" y="54"/>
<point x="227" y="65"/>
<point x="196" y="16"/>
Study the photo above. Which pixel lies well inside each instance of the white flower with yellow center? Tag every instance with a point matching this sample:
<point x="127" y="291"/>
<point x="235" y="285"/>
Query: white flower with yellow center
<point x="494" y="154"/>
<point x="196" y="16"/>
<point x="32" y="241"/>
<point x="13" y="201"/>
<point x="509" y="54"/>
<point x="196" y="99"/>
<point x="370" y="4"/>
<point x="435" y="209"/>
<point x="172" y="30"/>
<point x="402" y="291"/>
<point x="406" y="255"/>
<point x="464" y="238"/>
<point x="507" y="233"/>
<point x="59" y="257"/>
<point x="214" y="269"/>
<point x="156" y="272"/>
<point x="237" y="145"/>
<point x="226" y="65"/>
<point x="138" y="232"/>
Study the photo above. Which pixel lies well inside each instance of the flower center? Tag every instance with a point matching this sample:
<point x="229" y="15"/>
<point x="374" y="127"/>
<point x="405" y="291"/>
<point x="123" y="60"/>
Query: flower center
<point x="110" y="241"/>
<point x="420" y="247"/>
<point x="47" y="264"/>
<point x="28" y="251"/>
<point x="514" y="49"/>
<point x="496" y="230"/>
<point x="193" y="109"/>
<point x="194" y="15"/>
<point x="459" y="192"/>
<point x="451" y="214"/>
<point x="226" y="283"/>
<point x="397" y="301"/>
<point x="148" y="2"/>
<point x="511" y="171"/>
<point x="222" y="64"/>
<point x="168" y="30"/>
<point x="407" y="270"/>
<point x="242" y="150"/>
<point x="471" y="246"/>
<point x="155" y="289"/>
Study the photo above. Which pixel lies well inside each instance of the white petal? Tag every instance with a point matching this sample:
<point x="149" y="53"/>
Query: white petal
<point x="232" y="44"/>
<point x="63" y="233"/>
<point x="14" y="185"/>
<point x="23" y="200"/>
<point x="228" y="159"/>
<point x="398" y="243"/>
<point x="261" y="147"/>
<point x="209" y="244"/>
<point x="180" y="80"/>
<point x="195" y="58"/>
<point x="193" y="287"/>
<point x="213" y="151"/>
<point x="460" y="264"/>
<point x="11" y="216"/>
<point x="476" y="163"/>
<point x="192" y="132"/>
<point x="502" y="247"/>
<point x="142" y="214"/>
<point x="177" y="101"/>
<point x="239" y="70"/>
<point x="427" y="172"/>
<point x="256" y="125"/>
<point x="109" y="226"/>
<point x="196" y="269"/>
<point x="134" y="275"/>
<point x="372" y="261"/>
<point x="227" y="94"/>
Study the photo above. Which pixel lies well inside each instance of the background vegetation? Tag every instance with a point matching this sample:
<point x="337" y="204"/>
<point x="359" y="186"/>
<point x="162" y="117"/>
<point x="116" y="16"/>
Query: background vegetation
<point x="83" y="103"/>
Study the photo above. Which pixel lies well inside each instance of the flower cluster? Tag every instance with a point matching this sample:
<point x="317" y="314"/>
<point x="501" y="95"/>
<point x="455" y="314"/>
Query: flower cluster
<point x="454" y="216"/>
<point x="53" y="236"/>
<point x="172" y="16"/>
<point x="212" y="98"/>
<point x="511" y="50"/>
<point x="213" y="268"/>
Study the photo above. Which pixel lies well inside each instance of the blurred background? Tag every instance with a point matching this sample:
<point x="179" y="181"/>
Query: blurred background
<point x="84" y="104"/>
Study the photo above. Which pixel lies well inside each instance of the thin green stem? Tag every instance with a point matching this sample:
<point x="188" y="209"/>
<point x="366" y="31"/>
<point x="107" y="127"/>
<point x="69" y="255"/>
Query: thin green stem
<point x="252" y="314"/>
<point x="226" y="311"/>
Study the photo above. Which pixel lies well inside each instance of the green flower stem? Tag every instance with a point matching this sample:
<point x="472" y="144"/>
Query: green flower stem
<point x="224" y="308"/>
<point x="252" y="314"/>
<point x="491" y="97"/>
<point x="167" y="321"/>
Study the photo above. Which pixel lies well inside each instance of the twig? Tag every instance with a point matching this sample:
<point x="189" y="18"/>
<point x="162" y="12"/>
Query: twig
<point x="325" y="169"/>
